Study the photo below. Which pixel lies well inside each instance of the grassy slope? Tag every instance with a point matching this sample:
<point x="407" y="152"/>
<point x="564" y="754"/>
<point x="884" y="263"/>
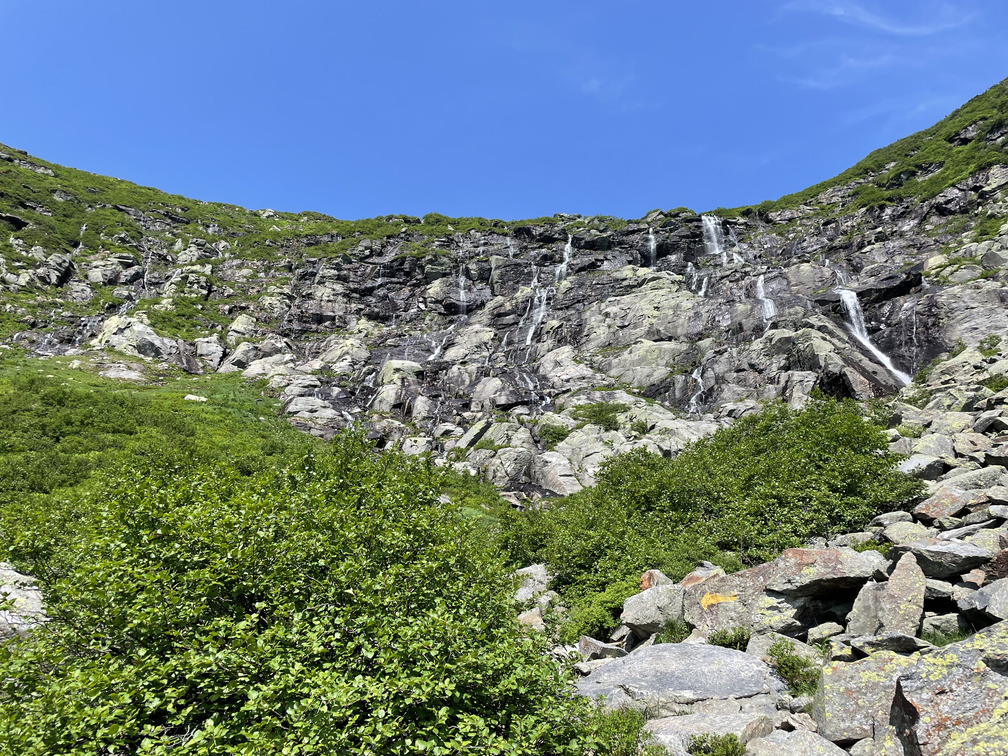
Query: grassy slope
<point x="906" y="169"/>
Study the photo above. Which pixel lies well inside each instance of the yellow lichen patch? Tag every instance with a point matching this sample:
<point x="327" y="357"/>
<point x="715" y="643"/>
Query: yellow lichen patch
<point x="710" y="599"/>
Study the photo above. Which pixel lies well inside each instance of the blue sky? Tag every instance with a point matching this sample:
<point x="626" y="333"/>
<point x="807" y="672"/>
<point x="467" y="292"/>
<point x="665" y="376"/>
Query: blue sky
<point x="507" y="110"/>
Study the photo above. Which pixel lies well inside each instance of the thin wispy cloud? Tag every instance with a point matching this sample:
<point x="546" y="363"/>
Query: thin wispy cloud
<point x="841" y="74"/>
<point x="941" y="17"/>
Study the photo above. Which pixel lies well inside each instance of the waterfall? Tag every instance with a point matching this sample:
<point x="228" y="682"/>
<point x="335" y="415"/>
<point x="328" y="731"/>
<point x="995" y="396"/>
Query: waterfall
<point x="691" y="276"/>
<point x="769" y="308"/>
<point x="856" y="325"/>
<point x="541" y="303"/>
<point x="511" y="249"/>
<point x="703" y="287"/>
<point x="652" y="244"/>
<point x="537" y="305"/>
<point x="463" y="297"/>
<point x="713" y="237"/>
<point x="561" y="271"/>
<point x="693" y="406"/>
<point x="736" y="256"/>
<point x="80" y="239"/>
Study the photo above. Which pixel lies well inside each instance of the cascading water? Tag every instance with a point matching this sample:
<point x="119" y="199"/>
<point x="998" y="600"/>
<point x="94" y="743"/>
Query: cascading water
<point x="561" y="271"/>
<point x="857" y="328"/>
<point x="463" y="298"/>
<point x="769" y="308"/>
<point x="80" y="239"/>
<point x="537" y="305"/>
<point x="693" y="406"/>
<point x="652" y="245"/>
<point x="539" y="312"/>
<point x="736" y="255"/>
<point x="713" y="236"/>
<point x="691" y="276"/>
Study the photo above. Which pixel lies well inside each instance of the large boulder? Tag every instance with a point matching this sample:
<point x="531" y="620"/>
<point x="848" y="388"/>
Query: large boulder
<point x="955" y="699"/>
<point x="795" y="743"/>
<point x="674" y="733"/>
<point x="945" y="558"/>
<point x="654" y="609"/>
<point x="775" y="596"/>
<point x="894" y="606"/>
<point x="853" y="699"/>
<point x="665" y="676"/>
<point x="135" y="337"/>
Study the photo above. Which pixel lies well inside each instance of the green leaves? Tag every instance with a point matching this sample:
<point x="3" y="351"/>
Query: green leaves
<point x="333" y="605"/>
<point x="769" y="482"/>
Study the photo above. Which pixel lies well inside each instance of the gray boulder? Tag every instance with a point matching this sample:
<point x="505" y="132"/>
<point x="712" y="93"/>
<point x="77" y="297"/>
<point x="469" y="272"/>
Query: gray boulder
<point x="796" y="743"/>
<point x="653" y="610"/>
<point x="853" y="699"/>
<point x="955" y="699"/>
<point x="942" y="559"/>
<point x="674" y="733"/>
<point x="667" y="675"/>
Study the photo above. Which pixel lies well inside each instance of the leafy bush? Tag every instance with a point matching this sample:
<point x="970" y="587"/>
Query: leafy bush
<point x="736" y="637"/>
<point x="597" y="614"/>
<point x="603" y="414"/>
<point x="988" y="345"/>
<point x="800" y="674"/>
<point x="620" y="733"/>
<point x="769" y="482"/>
<point x="551" y="435"/>
<point x="998" y="382"/>
<point x="332" y="605"/>
<point x="676" y="632"/>
<point x="716" y="745"/>
<point x="881" y="547"/>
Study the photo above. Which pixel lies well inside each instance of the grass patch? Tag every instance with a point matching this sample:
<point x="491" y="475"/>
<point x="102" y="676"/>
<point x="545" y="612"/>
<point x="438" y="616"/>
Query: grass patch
<point x="798" y="673"/>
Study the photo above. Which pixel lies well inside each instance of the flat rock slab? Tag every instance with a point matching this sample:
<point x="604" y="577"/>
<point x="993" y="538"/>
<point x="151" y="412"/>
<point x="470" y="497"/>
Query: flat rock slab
<point x="797" y="743"/>
<point x="955" y="699"/>
<point x="674" y="733"/>
<point x="680" y="673"/>
<point x="949" y="501"/>
<point x="942" y="559"/>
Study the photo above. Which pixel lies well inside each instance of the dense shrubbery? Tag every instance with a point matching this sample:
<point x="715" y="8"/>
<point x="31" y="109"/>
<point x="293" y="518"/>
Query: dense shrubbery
<point x="769" y="482"/>
<point x="333" y="606"/>
<point x="221" y="584"/>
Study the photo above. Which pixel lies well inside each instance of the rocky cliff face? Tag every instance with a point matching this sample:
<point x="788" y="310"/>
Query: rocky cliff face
<point x="483" y="343"/>
<point x="502" y="345"/>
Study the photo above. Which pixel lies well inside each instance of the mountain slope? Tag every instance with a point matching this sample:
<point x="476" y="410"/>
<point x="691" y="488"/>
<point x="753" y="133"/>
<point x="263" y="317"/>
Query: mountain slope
<point x="529" y="351"/>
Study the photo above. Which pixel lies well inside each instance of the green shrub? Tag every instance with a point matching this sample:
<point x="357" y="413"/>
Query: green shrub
<point x="619" y="732"/>
<point x="998" y="382"/>
<point x="550" y="435"/>
<point x="332" y="605"/>
<point x="988" y="345"/>
<point x="799" y="674"/>
<point x="881" y="547"/>
<point x="675" y="632"/>
<point x="736" y="637"/>
<point x="910" y="431"/>
<point x="597" y="614"/>
<point x="603" y="414"/>
<point x="715" y="745"/>
<point x="958" y="348"/>
<point x="769" y="482"/>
